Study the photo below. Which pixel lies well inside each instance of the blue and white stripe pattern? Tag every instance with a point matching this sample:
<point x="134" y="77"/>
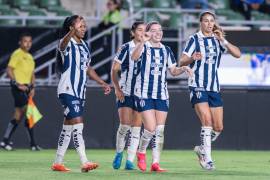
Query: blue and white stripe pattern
<point x="205" y="70"/>
<point x="76" y="60"/>
<point x="151" y="81"/>
<point x="129" y="68"/>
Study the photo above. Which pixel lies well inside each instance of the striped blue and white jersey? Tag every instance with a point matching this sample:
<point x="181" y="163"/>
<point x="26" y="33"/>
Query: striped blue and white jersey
<point x="129" y="68"/>
<point x="205" y="70"/>
<point x="151" y="81"/>
<point x="76" y="60"/>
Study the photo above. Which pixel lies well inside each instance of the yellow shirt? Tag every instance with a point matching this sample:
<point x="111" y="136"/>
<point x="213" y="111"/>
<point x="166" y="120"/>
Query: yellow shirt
<point x="23" y="65"/>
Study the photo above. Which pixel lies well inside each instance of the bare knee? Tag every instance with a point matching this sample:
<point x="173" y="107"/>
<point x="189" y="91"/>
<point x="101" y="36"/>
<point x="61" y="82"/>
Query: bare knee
<point x="218" y="128"/>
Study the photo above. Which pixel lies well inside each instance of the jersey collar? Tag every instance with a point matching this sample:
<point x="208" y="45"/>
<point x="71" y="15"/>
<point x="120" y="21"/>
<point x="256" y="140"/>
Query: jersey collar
<point x="73" y="40"/>
<point x="201" y="35"/>
<point x="150" y="45"/>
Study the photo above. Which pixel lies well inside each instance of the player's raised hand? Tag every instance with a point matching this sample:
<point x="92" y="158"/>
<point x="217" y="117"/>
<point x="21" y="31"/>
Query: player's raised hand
<point x="218" y="32"/>
<point x="145" y="37"/>
<point x="196" y="56"/>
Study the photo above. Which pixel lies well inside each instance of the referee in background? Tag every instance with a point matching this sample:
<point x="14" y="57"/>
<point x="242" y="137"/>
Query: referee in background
<point x="21" y="73"/>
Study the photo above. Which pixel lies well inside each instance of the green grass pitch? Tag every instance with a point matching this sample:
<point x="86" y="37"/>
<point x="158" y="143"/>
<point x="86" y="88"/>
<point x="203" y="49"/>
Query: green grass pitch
<point x="230" y="165"/>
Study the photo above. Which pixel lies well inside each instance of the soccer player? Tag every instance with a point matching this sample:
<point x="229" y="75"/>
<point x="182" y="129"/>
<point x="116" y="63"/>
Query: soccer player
<point x="75" y="58"/>
<point x="203" y="53"/>
<point x="130" y="119"/>
<point x="152" y="98"/>
<point x="22" y="79"/>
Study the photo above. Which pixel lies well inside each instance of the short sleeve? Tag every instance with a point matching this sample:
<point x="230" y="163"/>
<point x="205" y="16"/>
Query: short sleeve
<point x="171" y="58"/>
<point x="222" y="47"/>
<point x="121" y="54"/>
<point x="190" y="47"/>
<point x="14" y="59"/>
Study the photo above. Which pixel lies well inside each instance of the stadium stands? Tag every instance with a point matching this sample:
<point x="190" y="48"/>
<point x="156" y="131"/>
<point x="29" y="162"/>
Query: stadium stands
<point x="52" y="8"/>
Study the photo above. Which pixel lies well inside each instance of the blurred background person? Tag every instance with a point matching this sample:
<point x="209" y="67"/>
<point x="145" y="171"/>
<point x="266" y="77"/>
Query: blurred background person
<point x="245" y="7"/>
<point x="111" y="18"/>
<point x="20" y="70"/>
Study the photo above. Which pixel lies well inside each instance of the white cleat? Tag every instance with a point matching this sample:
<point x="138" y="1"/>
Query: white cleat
<point x="6" y="146"/>
<point x="202" y="160"/>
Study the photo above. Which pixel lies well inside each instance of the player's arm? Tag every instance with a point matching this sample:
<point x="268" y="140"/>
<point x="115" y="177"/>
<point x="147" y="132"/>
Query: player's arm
<point x="137" y="52"/>
<point x="190" y="54"/>
<point x="114" y="76"/>
<point x="93" y="75"/>
<point x="232" y="49"/>
<point x="175" y="71"/>
<point x="64" y="42"/>
<point x="185" y="60"/>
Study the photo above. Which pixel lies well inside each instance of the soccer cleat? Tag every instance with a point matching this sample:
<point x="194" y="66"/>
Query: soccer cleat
<point x="202" y="160"/>
<point x="209" y="166"/>
<point x="89" y="166"/>
<point x="214" y="136"/>
<point x="141" y="161"/>
<point x="129" y="165"/>
<point x="5" y="146"/>
<point x="117" y="160"/>
<point x="36" y="148"/>
<point x="59" y="167"/>
<point x="155" y="167"/>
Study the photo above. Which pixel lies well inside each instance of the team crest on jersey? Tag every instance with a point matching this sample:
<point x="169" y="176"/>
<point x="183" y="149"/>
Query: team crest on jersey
<point x="142" y="103"/>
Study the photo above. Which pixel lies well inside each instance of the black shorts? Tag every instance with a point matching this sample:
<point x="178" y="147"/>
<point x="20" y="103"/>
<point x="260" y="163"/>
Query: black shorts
<point x="20" y="97"/>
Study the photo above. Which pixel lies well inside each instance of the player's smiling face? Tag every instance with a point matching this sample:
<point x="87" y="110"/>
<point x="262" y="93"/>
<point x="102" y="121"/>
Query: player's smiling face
<point x="207" y="23"/>
<point x="26" y="43"/>
<point x="82" y="29"/>
<point x="156" y="33"/>
<point x="139" y="31"/>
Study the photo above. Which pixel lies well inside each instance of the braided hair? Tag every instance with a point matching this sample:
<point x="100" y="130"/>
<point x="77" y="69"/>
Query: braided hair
<point x="69" y="21"/>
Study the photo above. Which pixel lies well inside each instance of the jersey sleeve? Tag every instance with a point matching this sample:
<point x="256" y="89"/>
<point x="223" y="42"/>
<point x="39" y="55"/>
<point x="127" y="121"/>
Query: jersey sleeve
<point x="121" y="54"/>
<point x="171" y="58"/>
<point x="190" y="47"/>
<point x="222" y="47"/>
<point x="14" y="59"/>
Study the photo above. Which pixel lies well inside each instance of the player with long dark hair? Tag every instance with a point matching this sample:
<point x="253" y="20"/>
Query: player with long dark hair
<point x="130" y="119"/>
<point x="75" y="60"/>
